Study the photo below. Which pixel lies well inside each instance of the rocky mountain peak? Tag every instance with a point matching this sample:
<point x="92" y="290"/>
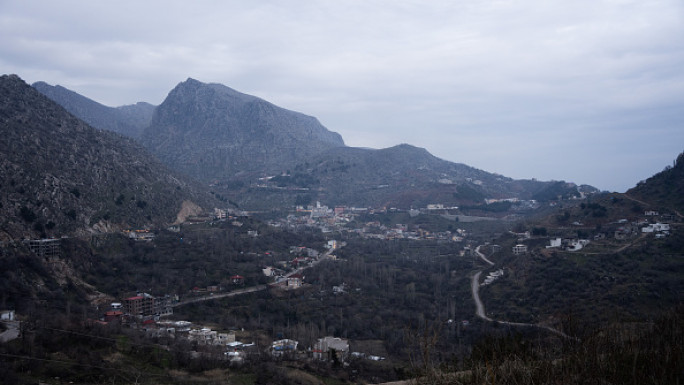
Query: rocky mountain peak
<point x="213" y="131"/>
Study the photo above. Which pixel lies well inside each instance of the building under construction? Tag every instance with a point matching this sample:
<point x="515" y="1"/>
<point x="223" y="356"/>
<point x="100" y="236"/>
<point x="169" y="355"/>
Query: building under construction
<point x="48" y="248"/>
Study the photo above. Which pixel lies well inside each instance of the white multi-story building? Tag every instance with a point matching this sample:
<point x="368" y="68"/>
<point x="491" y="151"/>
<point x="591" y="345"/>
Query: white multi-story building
<point x="519" y="249"/>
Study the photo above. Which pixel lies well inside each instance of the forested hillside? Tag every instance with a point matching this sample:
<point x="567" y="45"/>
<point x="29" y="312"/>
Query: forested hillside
<point x="665" y="189"/>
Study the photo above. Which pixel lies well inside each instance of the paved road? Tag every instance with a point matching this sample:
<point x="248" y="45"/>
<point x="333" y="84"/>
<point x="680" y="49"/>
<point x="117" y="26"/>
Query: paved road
<point x="480" y="309"/>
<point x="11" y="333"/>
<point x="483" y="257"/>
<point x="250" y="289"/>
<point x="233" y="293"/>
<point x="314" y="263"/>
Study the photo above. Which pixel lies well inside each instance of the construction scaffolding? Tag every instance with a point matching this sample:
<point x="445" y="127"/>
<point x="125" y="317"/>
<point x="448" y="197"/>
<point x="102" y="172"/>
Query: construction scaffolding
<point x="48" y="248"/>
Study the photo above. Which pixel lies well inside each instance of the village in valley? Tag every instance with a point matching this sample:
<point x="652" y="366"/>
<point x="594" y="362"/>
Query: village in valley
<point x="152" y="315"/>
<point x="148" y="314"/>
<point x="483" y="249"/>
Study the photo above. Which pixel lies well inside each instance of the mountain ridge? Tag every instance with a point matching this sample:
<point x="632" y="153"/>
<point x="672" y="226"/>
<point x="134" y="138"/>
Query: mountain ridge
<point x="128" y="120"/>
<point x="233" y="140"/>
<point x="212" y="131"/>
<point x="665" y="189"/>
<point x="66" y="177"/>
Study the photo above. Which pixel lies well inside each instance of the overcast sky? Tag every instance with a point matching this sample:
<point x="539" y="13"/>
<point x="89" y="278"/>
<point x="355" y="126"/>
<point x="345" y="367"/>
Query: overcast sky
<point x="588" y="91"/>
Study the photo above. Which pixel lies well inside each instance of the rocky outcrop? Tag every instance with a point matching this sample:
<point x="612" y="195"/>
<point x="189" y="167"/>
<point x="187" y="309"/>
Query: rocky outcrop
<point x="212" y="132"/>
<point x="233" y="140"/>
<point x="188" y="209"/>
<point x="60" y="176"/>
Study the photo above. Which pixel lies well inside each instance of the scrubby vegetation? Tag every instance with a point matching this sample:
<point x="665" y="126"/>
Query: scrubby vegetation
<point x="620" y="353"/>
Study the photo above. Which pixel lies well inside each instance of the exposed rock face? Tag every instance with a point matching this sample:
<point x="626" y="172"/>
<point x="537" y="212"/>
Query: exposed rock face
<point x="188" y="209"/>
<point x="220" y="135"/>
<point x="127" y="120"/>
<point x="214" y="132"/>
<point x="61" y="176"/>
<point x="230" y="139"/>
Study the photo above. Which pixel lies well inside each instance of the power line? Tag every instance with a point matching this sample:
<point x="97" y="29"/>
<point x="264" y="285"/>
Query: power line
<point x="140" y="372"/>
<point x="130" y="372"/>
<point x="101" y="337"/>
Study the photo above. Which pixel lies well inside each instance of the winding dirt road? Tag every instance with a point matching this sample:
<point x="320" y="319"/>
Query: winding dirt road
<point x="480" y="309"/>
<point x="475" y="285"/>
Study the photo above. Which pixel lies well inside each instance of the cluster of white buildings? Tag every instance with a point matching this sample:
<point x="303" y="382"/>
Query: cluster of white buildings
<point x="661" y="230"/>
<point x="567" y="244"/>
<point x="206" y="336"/>
<point x="493" y="276"/>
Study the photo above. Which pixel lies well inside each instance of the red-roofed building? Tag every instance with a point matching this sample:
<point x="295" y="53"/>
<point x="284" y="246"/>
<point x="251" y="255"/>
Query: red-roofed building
<point x="112" y="315"/>
<point x="91" y="322"/>
<point x="299" y="261"/>
<point x="139" y="305"/>
<point x="237" y="280"/>
<point x="294" y="281"/>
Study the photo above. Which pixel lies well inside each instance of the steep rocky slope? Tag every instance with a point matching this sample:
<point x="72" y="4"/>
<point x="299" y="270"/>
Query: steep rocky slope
<point x="233" y="140"/>
<point x="60" y="176"/>
<point x="214" y="132"/>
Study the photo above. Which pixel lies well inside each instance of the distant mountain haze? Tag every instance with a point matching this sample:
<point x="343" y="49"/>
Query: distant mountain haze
<point x="127" y="120"/>
<point x="262" y="155"/>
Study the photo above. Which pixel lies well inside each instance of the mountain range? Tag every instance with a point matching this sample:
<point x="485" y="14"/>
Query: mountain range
<point x="61" y="176"/>
<point x="127" y="120"/>
<point x="264" y="156"/>
<point x="64" y="176"/>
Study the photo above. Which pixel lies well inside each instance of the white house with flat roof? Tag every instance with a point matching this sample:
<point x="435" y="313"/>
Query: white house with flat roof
<point x="519" y="249"/>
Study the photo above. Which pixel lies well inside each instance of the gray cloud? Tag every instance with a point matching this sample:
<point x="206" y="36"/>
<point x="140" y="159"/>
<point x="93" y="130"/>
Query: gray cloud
<point x="588" y="91"/>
